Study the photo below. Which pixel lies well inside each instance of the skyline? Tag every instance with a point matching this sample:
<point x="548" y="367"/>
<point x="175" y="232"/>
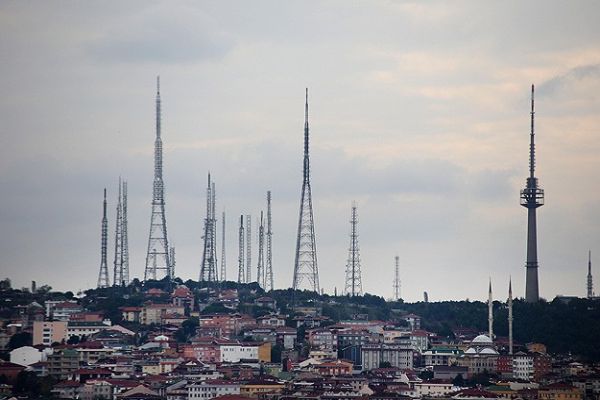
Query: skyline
<point x="429" y="136"/>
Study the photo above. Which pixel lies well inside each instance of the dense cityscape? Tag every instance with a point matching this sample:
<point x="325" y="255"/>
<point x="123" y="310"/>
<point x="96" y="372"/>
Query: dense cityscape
<point x="266" y="326"/>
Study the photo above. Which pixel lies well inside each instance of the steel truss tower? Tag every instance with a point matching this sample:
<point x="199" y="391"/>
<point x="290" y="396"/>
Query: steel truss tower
<point x="353" y="286"/>
<point x="121" y="262"/>
<point x="103" y="281"/>
<point x="157" y="256"/>
<point x="590" y="282"/>
<point x="241" y="271"/>
<point x="397" y="279"/>
<point x="305" y="264"/>
<point x="532" y="197"/>
<point x="223" y="263"/>
<point x="248" y="248"/>
<point x="208" y="270"/>
<point x="510" y="317"/>
<point x="269" y="264"/>
<point x="260" y="270"/>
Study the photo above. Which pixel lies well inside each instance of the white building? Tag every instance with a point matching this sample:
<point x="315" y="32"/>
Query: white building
<point x="234" y="352"/>
<point x="28" y="355"/>
<point x="522" y="365"/>
<point x="396" y="355"/>
<point x="210" y="389"/>
<point x="433" y="389"/>
<point x="81" y="328"/>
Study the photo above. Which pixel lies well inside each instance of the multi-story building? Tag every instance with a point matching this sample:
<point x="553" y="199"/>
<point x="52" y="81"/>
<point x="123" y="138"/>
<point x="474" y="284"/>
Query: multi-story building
<point x="522" y="366"/>
<point x="209" y="389"/>
<point x="559" y="391"/>
<point x="433" y="388"/>
<point x="257" y="388"/>
<point x="64" y="310"/>
<point x="48" y="332"/>
<point x="349" y="343"/>
<point x="271" y="320"/>
<point x="322" y="339"/>
<point x="542" y="365"/>
<point x="234" y="352"/>
<point x="155" y="313"/>
<point x="86" y="328"/>
<point x="419" y="339"/>
<point x="397" y="355"/>
<point x="441" y="356"/>
<point x="182" y="296"/>
<point x="62" y="363"/>
<point x="131" y="314"/>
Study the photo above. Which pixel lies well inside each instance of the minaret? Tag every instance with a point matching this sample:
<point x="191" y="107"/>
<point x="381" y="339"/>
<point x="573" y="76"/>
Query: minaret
<point x="353" y="286"/>
<point x="510" y="318"/>
<point x="157" y="257"/>
<point x="397" y="279"/>
<point x="590" y="284"/>
<point x="208" y="269"/>
<point x="269" y="261"/>
<point x="532" y="197"/>
<point x="490" y="313"/>
<point x="305" y="264"/>
<point x="103" y="281"/>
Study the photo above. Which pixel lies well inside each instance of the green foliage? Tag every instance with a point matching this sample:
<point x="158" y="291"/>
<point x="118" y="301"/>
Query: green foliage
<point x="19" y="340"/>
<point x="276" y="353"/>
<point x="385" y="364"/>
<point x="458" y="381"/>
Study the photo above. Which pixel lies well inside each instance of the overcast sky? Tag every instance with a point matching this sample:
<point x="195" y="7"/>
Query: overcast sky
<point x="419" y="112"/>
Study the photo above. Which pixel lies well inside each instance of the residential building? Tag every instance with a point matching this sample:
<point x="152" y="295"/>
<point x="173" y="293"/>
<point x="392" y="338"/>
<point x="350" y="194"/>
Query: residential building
<point x="522" y="366"/>
<point x="62" y="363"/>
<point x="397" y="355"/>
<point x="209" y="389"/>
<point x="48" y="332"/>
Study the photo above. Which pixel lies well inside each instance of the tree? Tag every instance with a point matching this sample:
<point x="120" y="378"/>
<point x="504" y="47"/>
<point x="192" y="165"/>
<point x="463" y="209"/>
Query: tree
<point x="276" y="353"/>
<point x="458" y="381"/>
<point x="385" y="364"/>
<point x="19" y="340"/>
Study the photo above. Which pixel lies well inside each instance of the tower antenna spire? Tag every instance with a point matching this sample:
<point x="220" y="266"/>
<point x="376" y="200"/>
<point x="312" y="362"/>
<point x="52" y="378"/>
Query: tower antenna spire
<point x="532" y="197"/>
<point x="305" y="263"/>
<point x="396" y="285"/>
<point x="269" y="261"/>
<point x="353" y="286"/>
<point x="103" y="281"/>
<point x="158" y="254"/>
<point x="510" y="317"/>
<point x="208" y="269"/>
<point x="590" y="282"/>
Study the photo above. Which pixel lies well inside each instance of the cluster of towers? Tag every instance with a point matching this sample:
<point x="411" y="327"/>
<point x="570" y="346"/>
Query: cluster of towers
<point x="160" y="257"/>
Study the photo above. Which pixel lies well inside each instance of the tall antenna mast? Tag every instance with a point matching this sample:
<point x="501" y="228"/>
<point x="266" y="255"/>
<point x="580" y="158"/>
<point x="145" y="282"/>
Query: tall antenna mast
<point x="248" y="248"/>
<point x="118" y="262"/>
<point x="172" y="260"/>
<point x="124" y="238"/>
<point x="397" y="279"/>
<point x="208" y="270"/>
<point x="510" y="317"/>
<point x="157" y="257"/>
<point x="490" y="312"/>
<point x="103" y="275"/>
<point x="590" y="284"/>
<point x="532" y="197"/>
<point x="353" y="285"/>
<point x="223" y="262"/>
<point x="260" y="275"/>
<point x="269" y="266"/>
<point x="305" y="264"/>
<point x="241" y="272"/>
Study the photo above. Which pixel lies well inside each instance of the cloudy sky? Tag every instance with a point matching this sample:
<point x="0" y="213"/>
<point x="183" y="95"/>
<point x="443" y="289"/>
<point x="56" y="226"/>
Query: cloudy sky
<point x="419" y="112"/>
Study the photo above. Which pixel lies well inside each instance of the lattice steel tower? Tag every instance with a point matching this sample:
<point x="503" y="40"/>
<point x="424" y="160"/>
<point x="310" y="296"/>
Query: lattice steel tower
<point x="269" y="261"/>
<point x="121" y="261"/>
<point x="103" y="281"/>
<point x="532" y="197"/>
<point x="208" y="270"/>
<point x="241" y="271"/>
<point x="305" y="264"/>
<point x="590" y="284"/>
<point x="260" y="265"/>
<point x="158" y="257"/>
<point x="397" y="279"/>
<point x="248" y="248"/>
<point x="223" y="262"/>
<point x="353" y="286"/>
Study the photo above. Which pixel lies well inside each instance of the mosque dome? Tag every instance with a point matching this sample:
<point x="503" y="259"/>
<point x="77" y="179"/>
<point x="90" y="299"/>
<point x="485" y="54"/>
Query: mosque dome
<point x="482" y="340"/>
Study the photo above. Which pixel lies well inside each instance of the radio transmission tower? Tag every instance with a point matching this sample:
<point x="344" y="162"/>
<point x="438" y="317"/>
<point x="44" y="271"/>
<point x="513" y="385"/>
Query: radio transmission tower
<point x="172" y="260"/>
<point x="241" y="277"/>
<point x="353" y="285"/>
<point x="208" y="270"/>
<point x="397" y="280"/>
<point x="121" y="262"/>
<point x="248" y="249"/>
<point x="223" y="263"/>
<point x="260" y="274"/>
<point x="532" y="197"/>
<point x="269" y="264"/>
<point x="103" y="275"/>
<point x="124" y="238"/>
<point x="305" y="264"/>
<point x="157" y="257"/>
